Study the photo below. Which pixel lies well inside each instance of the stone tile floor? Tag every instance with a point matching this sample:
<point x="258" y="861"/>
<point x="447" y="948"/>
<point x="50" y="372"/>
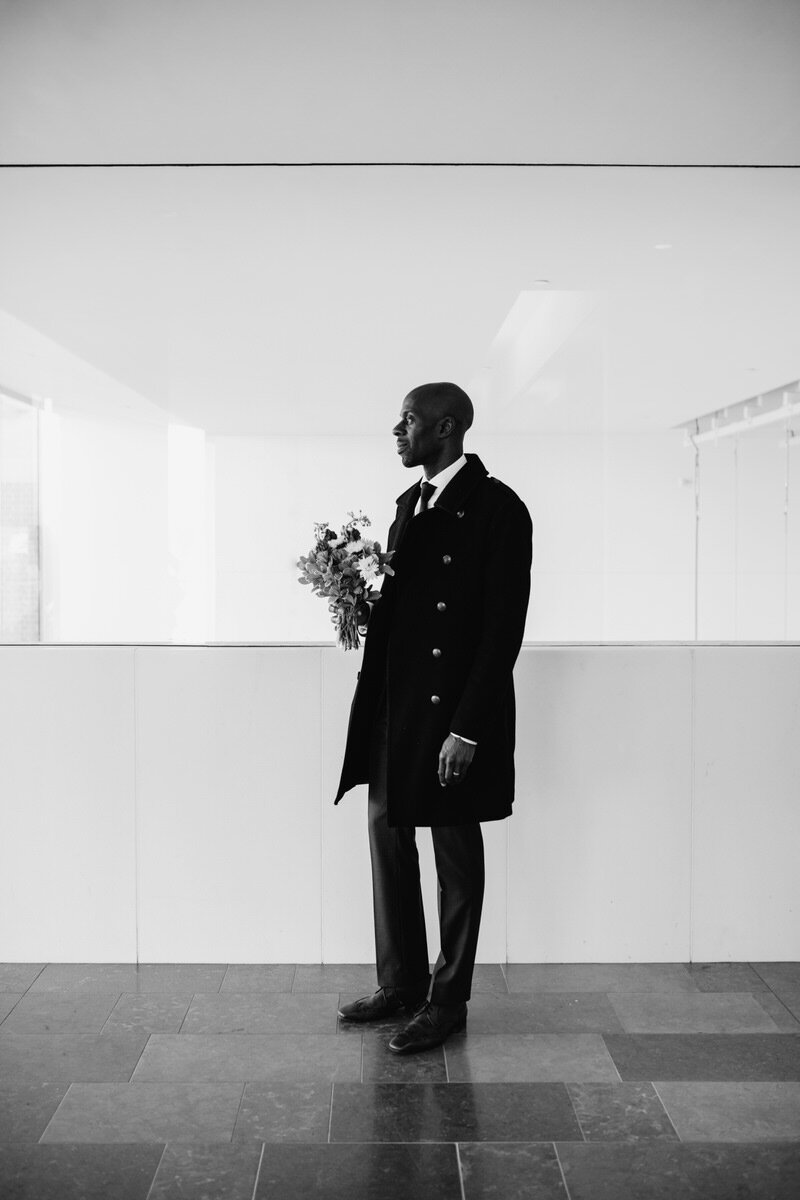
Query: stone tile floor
<point x="584" y="1082"/>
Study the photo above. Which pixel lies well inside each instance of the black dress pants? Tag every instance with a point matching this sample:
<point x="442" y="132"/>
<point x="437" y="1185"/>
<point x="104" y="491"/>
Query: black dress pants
<point x="400" y="942"/>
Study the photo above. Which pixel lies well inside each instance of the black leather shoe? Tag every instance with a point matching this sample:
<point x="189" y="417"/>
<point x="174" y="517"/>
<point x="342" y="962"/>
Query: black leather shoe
<point x="432" y="1024"/>
<point x="385" y="1003"/>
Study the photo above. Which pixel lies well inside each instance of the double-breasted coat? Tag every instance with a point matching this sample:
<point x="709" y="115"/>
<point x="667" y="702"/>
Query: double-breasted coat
<point x="442" y="641"/>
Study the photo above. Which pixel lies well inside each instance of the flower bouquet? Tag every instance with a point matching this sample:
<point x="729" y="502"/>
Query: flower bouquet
<point x="343" y="567"/>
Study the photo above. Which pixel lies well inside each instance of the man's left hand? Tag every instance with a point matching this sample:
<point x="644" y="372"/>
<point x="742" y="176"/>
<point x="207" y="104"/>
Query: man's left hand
<point x="454" y="759"/>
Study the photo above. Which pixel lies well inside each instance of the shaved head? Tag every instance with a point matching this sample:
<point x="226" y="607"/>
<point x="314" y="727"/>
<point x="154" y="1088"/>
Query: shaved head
<point x="445" y="400"/>
<point x="431" y="428"/>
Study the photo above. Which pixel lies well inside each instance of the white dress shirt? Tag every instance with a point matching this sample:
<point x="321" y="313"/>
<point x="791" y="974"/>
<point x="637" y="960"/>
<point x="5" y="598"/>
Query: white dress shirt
<point x="441" y="481"/>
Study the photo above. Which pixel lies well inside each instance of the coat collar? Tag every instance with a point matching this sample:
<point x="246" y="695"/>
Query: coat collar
<point x="452" y="500"/>
<point x="454" y="494"/>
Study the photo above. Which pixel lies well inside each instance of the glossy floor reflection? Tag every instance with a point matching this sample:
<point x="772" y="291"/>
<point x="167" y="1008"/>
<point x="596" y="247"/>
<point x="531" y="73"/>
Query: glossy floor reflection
<point x="579" y="1082"/>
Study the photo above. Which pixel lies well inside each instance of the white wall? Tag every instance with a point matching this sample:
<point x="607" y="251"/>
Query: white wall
<point x="162" y="534"/>
<point x="175" y="804"/>
<point x="268" y="494"/>
<point x="67" y="804"/>
<point x="613" y="528"/>
<point x="749" y="543"/>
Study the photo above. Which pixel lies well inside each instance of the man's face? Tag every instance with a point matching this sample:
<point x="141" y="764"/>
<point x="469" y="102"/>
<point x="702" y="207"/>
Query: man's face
<point x="416" y="434"/>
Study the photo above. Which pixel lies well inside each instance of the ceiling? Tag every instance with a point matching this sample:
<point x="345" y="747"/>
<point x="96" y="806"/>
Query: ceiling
<point x="639" y="81"/>
<point x="298" y="299"/>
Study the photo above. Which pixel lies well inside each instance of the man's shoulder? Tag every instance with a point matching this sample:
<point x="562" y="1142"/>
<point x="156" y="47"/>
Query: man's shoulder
<point x="500" y="495"/>
<point x="501" y="490"/>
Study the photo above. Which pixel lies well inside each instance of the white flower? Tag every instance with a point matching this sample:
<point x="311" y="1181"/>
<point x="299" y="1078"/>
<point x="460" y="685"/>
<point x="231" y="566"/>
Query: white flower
<point x="355" y="546"/>
<point x="369" y="569"/>
<point x="335" y="543"/>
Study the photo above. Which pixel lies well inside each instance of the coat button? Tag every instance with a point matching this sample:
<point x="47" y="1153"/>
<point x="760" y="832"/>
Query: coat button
<point x="441" y="606"/>
<point x="460" y="514"/>
<point x="435" y="700"/>
<point x="437" y="653"/>
<point x="446" y="559"/>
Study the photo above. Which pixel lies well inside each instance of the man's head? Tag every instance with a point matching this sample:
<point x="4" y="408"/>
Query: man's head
<point x="433" y="420"/>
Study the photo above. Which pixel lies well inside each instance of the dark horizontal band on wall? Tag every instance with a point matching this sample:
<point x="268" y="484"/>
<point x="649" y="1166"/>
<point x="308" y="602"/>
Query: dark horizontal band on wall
<point x="671" y="166"/>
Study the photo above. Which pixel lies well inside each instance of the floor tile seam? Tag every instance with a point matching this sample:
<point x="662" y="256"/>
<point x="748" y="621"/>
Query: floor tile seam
<point x="624" y="1019"/>
<point x="679" y="1146"/>
<point x="611" y="1056"/>
<point x="279" y="1030"/>
<point x="792" y="1083"/>
<point x="460" y="1172"/>
<point x="53" y="1115"/>
<point x="449" y="1137"/>
<point x="444" y="1141"/>
<point x="666" y="1110"/>
<point x="685" y="992"/>
<point x="330" y="1110"/>
<point x="54" y="1033"/>
<point x="20" y="996"/>
<point x="561" y="1168"/>
<point x="113" y="1010"/>
<point x="258" y="1171"/>
<point x="783" y="1005"/>
<point x="506" y="1142"/>
<point x="766" y="1034"/>
<point x="753" y="967"/>
<point x="472" y="1084"/>
<point x="188" y="1010"/>
<point x="138" y="1062"/>
<point x="624" y="1141"/>
<point x="77" y="993"/>
<point x="36" y="976"/>
<point x="238" y="1110"/>
<point x="244" y="1143"/>
<point x="537" y="993"/>
<point x="155" y="1173"/>
<point x="567" y="1088"/>
<point x="661" y="1032"/>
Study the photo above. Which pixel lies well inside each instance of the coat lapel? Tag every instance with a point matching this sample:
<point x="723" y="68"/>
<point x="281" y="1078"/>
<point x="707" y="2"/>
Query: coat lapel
<point x="405" y="511"/>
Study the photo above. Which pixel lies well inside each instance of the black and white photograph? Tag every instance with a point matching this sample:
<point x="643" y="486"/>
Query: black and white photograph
<point x="399" y="599"/>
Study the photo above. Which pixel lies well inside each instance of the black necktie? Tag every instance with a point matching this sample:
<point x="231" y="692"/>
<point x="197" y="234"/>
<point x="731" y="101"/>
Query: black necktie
<point x="426" y="491"/>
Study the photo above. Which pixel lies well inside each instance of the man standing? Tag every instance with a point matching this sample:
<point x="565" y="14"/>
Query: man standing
<point x="432" y="723"/>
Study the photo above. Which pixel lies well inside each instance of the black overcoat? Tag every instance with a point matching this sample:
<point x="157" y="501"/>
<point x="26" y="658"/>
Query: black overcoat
<point x="442" y="640"/>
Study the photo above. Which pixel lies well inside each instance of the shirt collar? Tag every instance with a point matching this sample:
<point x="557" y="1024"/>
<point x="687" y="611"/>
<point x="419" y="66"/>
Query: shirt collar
<point x="441" y="480"/>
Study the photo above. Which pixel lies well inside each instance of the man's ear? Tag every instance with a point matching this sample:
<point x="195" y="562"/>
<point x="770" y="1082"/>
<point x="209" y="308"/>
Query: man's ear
<point x="446" y="426"/>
